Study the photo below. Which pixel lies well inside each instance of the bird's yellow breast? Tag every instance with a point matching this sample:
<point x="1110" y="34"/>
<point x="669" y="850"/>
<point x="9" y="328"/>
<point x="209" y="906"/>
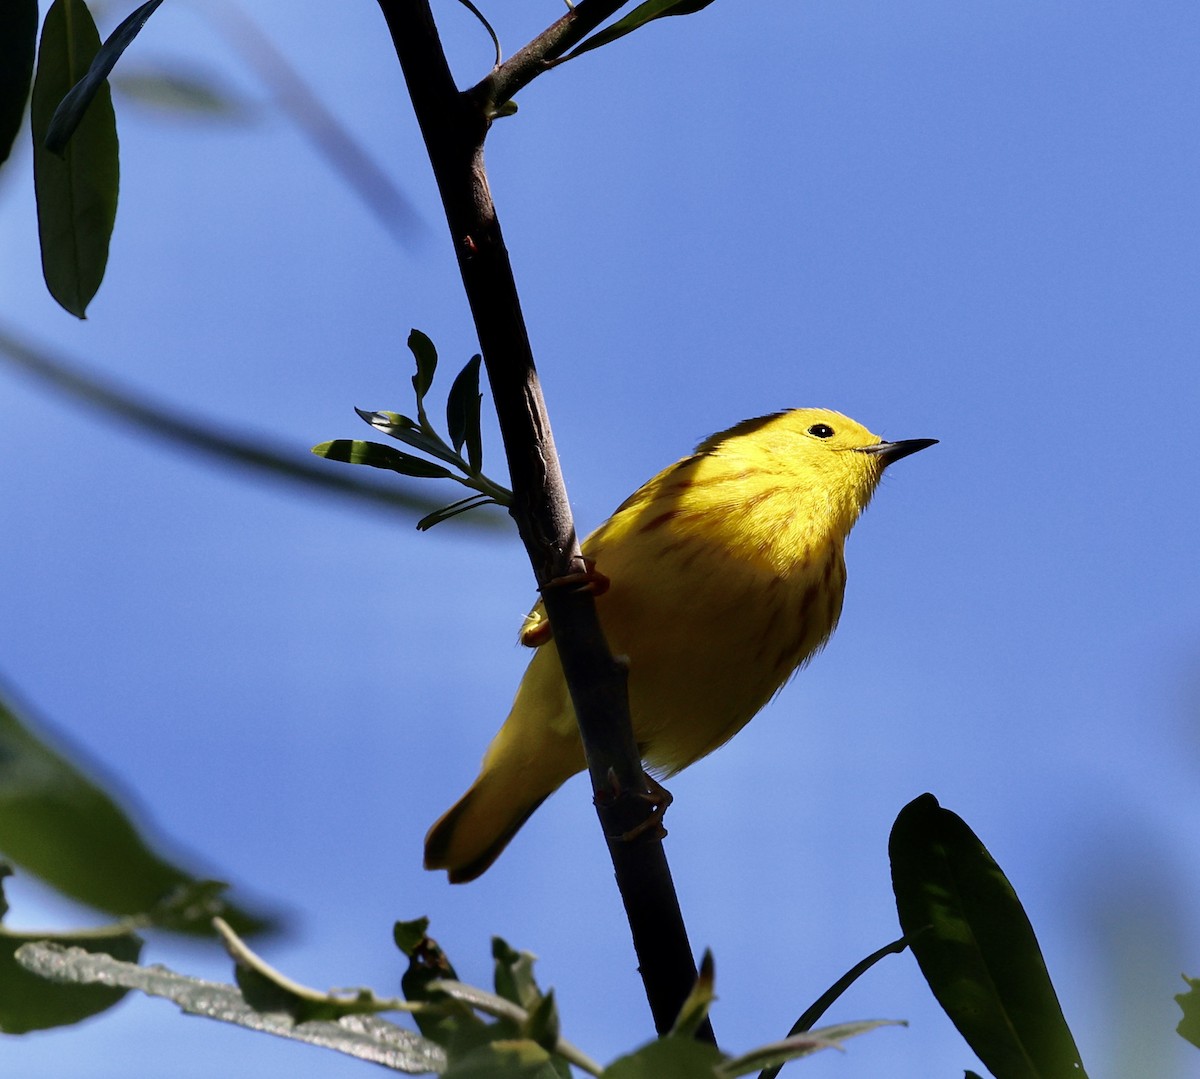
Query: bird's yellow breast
<point x="723" y="582"/>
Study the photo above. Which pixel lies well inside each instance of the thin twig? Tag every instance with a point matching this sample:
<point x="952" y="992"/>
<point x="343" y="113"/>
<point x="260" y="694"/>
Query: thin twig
<point x="536" y="58"/>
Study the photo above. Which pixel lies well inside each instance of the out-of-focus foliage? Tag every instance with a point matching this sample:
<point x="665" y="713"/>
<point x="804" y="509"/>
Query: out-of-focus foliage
<point x="57" y="823"/>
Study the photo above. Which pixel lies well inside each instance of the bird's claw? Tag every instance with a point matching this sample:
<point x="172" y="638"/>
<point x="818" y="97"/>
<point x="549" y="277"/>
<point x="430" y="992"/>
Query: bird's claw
<point x="589" y="579"/>
<point x="656" y="795"/>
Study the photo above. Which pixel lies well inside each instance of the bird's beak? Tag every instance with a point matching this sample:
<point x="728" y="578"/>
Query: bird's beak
<point x="893" y="451"/>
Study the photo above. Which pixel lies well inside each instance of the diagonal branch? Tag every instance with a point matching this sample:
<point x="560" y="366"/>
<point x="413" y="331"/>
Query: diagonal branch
<point x="454" y="126"/>
<point x="539" y="55"/>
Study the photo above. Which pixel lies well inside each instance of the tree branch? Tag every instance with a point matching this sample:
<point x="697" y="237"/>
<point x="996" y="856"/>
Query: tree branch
<point x="454" y="126"/>
<point x="537" y="57"/>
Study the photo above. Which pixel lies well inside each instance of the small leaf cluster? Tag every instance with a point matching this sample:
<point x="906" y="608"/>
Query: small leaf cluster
<point x="463" y="453"/>
<point x="511" y="1033"/>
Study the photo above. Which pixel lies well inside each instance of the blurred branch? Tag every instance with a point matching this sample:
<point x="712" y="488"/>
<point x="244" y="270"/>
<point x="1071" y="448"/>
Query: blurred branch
<point x="331" y="138"/>
<point x="454" y="126"/>
<point x="248" y="451"/>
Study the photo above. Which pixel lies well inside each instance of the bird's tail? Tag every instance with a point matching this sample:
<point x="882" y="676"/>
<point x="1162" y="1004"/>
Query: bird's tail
<point x="470" y="835"/>
<point x="533" y="754"/>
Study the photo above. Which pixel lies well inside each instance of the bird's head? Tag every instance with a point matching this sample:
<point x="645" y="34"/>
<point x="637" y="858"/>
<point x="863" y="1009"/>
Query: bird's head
<point x="824" y="458"/>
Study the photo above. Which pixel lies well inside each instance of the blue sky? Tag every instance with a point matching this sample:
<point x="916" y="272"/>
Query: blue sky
<point x="975" y="223"/>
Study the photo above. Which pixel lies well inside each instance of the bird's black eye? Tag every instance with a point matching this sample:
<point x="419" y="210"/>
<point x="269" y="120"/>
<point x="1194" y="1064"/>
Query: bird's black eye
<point x="821" y="430"/>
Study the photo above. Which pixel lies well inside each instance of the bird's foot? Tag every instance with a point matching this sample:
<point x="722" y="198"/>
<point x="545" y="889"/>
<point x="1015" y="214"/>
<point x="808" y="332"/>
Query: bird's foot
<point x="589" y="579"/>
<point x="654" y="793"/>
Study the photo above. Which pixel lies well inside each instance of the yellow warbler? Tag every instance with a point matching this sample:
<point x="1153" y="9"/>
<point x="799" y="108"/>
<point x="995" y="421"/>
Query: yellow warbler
<point x="725" y="576"/>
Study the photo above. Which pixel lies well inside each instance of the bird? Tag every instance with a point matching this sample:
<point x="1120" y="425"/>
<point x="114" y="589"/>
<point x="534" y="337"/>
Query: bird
<point x="716" y="581"/>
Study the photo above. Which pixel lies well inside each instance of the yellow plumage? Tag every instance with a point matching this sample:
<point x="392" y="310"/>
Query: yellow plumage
<point x="726" y="575"/>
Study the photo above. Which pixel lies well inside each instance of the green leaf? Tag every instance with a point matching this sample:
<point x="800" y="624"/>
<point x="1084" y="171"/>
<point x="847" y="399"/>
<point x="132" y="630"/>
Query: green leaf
<point x="543" y="1024"/>
<point x="513" y="977"/>
<point x="426" y="356"/>
<point x="462" y="413"/>
<point x="504" y="1060"/>
<point x="427" y="963"/>
<point x="1189" y="1025"/>
<point x="637" y="18"/>
<point x="667" y="1058"/>
<point x="453" y="510"/>
<point x="59" y="825"/>
<point x="410" y="433"/>
<point x="975" y="946"/>
<point x="773" y="1057"/>
<point x="372" y="453"/>
<point x="75" y="104"/>
<point x="268" y="990"/>
<point x="28" y="1002"/>
<point x="366" y="1037"/>
<point x="513" y="1021"/>
<point x="411" y="936"/>
<point x="694" y="1009"/>
<point x="76" y="193"/>
<point x="18" y="45"/>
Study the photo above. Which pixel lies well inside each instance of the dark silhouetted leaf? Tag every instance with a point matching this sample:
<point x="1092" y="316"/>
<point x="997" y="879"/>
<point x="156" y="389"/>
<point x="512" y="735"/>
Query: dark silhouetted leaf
<point x="75" y="103"/>
<point x="18" y="45"/>
<point x="975" y="946"/>
<point x="462" y="413"/>
<point x="426" y="356"/>
<point x="76" y="193"/>
<point x="428" y="963"/>
<point x="59" y="825"/>
<point x="637" y="18"/>
<point x="454" y="509"/>
<point x="377" y="456"/>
